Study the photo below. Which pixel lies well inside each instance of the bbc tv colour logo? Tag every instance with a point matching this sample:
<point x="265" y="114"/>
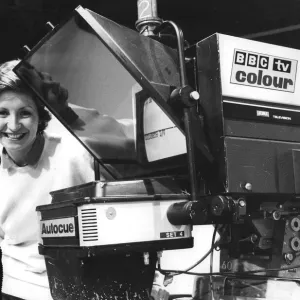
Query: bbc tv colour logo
<point x="263" y="71"/>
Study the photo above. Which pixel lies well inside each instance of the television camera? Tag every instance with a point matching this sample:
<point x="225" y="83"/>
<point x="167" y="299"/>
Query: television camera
<point x="211" y="136"/>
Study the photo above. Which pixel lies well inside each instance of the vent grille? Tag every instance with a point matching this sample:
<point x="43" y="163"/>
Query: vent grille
<point x="89" y="224"/>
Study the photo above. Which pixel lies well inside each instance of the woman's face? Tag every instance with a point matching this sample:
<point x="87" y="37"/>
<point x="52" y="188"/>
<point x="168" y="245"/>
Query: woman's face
<point x="18" y="121"/>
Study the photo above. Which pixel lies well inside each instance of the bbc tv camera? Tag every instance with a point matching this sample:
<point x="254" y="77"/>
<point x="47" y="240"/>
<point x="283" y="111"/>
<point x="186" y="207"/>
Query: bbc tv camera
<point x="210" y="135"/>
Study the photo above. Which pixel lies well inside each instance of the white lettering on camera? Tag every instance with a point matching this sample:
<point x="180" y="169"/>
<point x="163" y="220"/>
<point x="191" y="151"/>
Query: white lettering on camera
<point x="282" y="118"/>
<point x="262" y="113"/>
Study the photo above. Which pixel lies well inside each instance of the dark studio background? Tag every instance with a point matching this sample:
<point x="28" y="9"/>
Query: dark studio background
<point x="22" y="22"/>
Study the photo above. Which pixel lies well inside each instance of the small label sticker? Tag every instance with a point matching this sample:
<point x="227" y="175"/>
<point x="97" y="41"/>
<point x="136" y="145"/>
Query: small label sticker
<point x="171" y="234"/>
<point x="63" y="227"/>
<point x="262" y="113"/>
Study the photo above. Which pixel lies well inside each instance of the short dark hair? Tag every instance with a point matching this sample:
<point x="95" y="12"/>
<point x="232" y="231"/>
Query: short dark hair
<point x="9" y="81"/>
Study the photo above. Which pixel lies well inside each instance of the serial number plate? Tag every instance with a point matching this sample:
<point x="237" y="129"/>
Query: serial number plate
<point x="172" y="234"/>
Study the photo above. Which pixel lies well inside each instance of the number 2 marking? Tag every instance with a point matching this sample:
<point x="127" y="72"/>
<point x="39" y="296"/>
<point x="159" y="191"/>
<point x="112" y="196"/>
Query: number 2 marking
<point x="144" y="9"/>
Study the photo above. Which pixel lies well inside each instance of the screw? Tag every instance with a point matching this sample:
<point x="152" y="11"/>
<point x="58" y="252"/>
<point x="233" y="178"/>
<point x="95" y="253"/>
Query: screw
<point x="276" y="215"/>
<point x="111" y="213"/>
<point x="289" y="257"/>
<point x="195" y="95"/>
<point x="146" y="258"/>
<point x="253" y="238"/>
<point x="246" y="186"/>
<point x="242" y="203"/>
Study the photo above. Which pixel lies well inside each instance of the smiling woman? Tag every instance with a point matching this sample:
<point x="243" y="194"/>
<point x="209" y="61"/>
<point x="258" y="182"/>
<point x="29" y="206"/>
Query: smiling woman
<point x="22" y="117"/>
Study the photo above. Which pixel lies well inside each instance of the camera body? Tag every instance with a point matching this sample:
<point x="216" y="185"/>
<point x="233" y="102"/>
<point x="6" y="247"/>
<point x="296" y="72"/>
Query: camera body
<point x="249" y="101"/>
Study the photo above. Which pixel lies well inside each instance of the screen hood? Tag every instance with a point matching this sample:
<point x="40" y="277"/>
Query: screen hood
<point x="88" y="71"/>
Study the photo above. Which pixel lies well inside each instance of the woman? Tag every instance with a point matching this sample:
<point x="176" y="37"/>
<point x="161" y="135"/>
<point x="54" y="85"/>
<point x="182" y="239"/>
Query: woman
<point x="32" y="164"/>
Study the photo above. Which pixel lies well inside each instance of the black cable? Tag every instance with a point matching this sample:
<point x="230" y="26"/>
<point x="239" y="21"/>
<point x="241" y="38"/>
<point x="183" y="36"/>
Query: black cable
<point x="210" y="251"/>
<point x="229" y="274"/>
<point x="200" y="260"/>
<point x="212" y="259"/>
<point x="193" y="265"/>
<point x="197" y="262"/>
<point x="212" y="247"/>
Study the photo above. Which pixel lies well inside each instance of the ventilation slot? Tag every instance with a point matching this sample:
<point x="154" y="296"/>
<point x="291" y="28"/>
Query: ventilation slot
<point x="89" y="225"/>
